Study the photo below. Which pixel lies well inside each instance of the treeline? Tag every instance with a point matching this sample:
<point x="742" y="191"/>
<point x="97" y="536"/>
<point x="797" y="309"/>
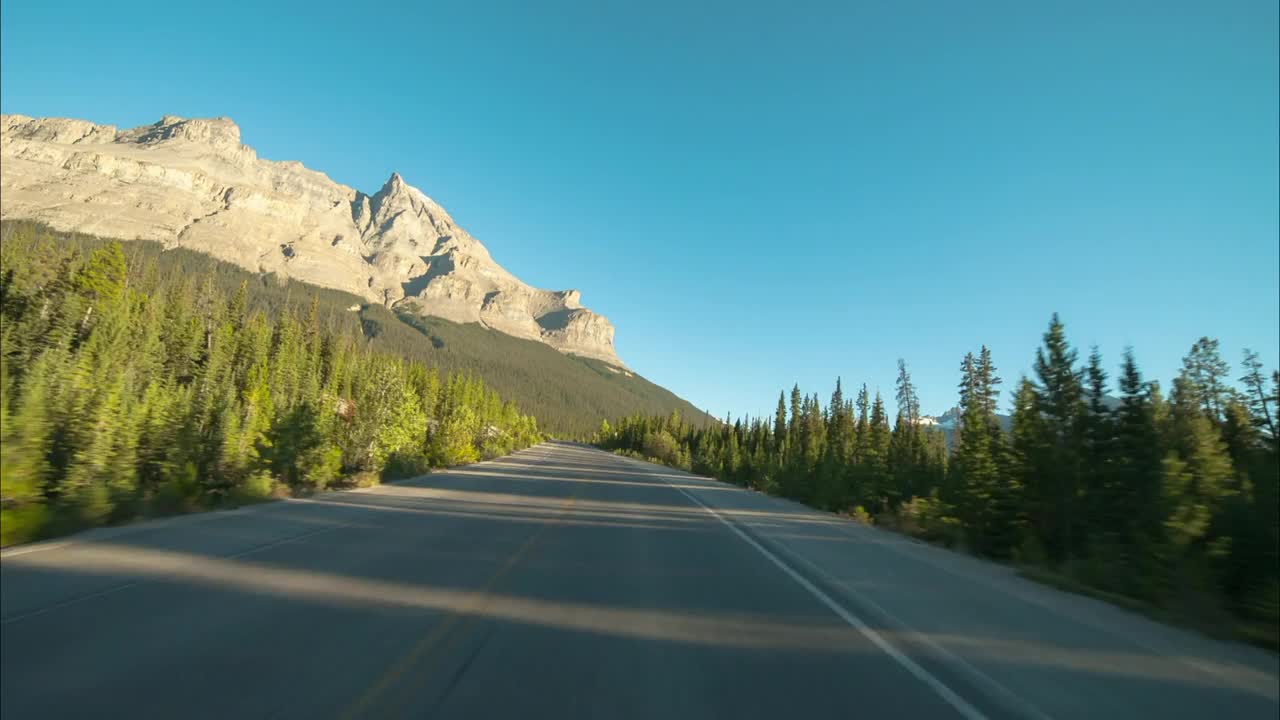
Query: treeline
<point x="125" y="390"/>
<point x="1170" y="500"/>
<point x="568" y="395"/>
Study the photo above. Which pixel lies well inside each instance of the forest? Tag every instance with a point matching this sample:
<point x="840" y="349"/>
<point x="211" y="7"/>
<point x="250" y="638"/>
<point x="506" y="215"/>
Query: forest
<point x="128" y="389"/>
<point x="1165" y="502"/>
<point x="569" y="395"/>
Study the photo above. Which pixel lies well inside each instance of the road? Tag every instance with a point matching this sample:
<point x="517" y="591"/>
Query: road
<point x="563" y="582"/>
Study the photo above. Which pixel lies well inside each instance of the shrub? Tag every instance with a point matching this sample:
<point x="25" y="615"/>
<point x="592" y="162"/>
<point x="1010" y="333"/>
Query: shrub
<point x="929" y="518"/>
<point x="662" y="447"/>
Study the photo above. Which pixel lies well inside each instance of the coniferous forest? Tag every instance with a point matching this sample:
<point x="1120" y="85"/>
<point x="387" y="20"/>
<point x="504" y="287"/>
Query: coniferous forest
<point x="126" y="390"/>
<point x="1167" y="499"/>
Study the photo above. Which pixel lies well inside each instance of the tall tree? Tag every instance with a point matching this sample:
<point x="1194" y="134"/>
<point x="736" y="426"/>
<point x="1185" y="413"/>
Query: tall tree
<point x="780" y="425"/>
<point x="989" y="505"/>
<point x="1198" y="470"/>
<point x="1056" y="477"/>
<point x="1204" y="374"/>
<point x="1099" y="447"/>
<point x="1132" y="498"/>
<point x="1260" y="401"/>
<point x="906" y="457"/>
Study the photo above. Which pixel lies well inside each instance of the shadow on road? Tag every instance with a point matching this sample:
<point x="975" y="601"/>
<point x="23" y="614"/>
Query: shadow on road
<point x="585" y="557"/>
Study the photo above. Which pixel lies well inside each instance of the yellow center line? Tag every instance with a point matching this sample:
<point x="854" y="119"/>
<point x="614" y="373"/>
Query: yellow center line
<point x="480" y="599"/>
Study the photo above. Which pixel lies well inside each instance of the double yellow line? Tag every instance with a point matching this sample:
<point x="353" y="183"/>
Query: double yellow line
<point x="442" y="631"/>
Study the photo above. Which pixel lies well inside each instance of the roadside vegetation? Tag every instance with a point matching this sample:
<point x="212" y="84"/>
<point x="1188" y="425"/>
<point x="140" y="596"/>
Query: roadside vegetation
<point x="1164" y="503"/>
<point x="129" y="389"/>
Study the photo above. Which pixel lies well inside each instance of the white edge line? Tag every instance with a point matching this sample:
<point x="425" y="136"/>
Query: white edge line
<point x="948" y="695"/>
<point x="993" y="685"/>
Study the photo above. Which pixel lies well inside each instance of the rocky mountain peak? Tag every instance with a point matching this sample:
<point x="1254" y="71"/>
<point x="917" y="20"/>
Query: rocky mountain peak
<point x="219" y="133"/>
<point x="191" y="183"/>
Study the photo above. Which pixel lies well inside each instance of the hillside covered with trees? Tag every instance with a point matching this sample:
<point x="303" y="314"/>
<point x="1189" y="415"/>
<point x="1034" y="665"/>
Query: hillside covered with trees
<point x="569" y="395"/>
<point x="130" y="387"/>
<point x="1170" y="499"/>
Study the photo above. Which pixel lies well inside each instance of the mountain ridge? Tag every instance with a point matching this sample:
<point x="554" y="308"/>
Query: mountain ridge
<point x="192" y="183"/>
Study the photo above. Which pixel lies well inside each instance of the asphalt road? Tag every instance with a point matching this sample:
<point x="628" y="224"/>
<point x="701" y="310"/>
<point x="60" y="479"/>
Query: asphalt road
<point x="563" y="582"/>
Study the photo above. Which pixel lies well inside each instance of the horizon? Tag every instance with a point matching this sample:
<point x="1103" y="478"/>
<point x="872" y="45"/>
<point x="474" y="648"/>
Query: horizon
<point x="1145" y="175"/>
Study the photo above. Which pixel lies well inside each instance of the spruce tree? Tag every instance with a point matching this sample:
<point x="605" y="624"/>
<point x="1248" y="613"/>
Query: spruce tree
<point x="989" y="501"/>
<point x="1098" y="489"/>
<point x="780" y="425"/>
<point x="907" y="447"/>
<point x="1058" y="470"/>
<point x="1133" y="496"/>
<point x="881" y="493"/>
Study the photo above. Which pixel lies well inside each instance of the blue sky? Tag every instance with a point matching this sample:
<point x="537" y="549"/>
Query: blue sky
<point x="758" y="194"/>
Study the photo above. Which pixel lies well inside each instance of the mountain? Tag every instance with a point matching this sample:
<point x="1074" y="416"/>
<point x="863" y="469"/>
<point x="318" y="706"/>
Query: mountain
<point x="949" y="421"/>
<point x="191" y="183"/>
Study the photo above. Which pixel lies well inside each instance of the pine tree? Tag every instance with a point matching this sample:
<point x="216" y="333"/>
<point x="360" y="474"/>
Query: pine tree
<point x="1198" y="471"/>
<point x="1260" y="402"/>
<point x="1204" y="373"/>
<point x="880" y="492"/>
<point x="25" y="434"/>
<point x="1098" y="454"/>
<point x="906" y="457"/>
<point x="780" y="425"/>
<point x="839" y="447"/>
<point x="1057" y="471"/>
<point x="103" y="277"/>
<point x="989" y="495"/>
<point x="1133" y="498"/>
<point x="794" y="424"/>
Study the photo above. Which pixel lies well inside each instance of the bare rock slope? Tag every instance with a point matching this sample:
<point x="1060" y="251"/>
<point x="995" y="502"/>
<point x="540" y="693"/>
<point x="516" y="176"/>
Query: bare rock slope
<point x="193" y="184"/>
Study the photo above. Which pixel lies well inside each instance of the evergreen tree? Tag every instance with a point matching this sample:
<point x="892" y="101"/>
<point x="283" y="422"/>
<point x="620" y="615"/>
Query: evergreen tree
<point x="880" y="492"/>
<point x="1204" y="373"/>
<point x="1197" y="471"/>
<point x="1260" y="402"/>
<point x="907" y="447"/>
<point x="780" y="426"/>
<point x="833" y="492"/>
<point x="1055" y="479"/>
<point x="124" y="390"/>
<point x="1098" y="453"/>
<point x="989" y="505"/>
<point x="1132" y="498"/>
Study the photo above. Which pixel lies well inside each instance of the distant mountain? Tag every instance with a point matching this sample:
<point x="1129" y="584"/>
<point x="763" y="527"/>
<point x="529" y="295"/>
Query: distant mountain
<point x="949" y="421"/>
<point x="190" y="183"/>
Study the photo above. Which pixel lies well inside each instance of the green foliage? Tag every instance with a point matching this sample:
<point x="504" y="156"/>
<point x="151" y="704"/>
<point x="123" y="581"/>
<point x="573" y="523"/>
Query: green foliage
<point x="128" y="389"/>
<point x="662" y="447"/>
<point x="569" y="395"/>
<point x="1170" y="504"/>
<point x="931" y="519"/>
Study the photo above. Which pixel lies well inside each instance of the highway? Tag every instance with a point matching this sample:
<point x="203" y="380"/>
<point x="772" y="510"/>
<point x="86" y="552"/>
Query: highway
<point x="565" y="582"/>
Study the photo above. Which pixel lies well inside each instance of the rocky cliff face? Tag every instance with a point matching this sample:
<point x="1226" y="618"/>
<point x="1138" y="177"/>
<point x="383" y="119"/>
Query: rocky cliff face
<point x="192" y="184"/>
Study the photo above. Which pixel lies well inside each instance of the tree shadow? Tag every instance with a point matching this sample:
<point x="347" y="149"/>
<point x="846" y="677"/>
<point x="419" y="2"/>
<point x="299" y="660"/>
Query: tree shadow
<point x="553" y="574"/>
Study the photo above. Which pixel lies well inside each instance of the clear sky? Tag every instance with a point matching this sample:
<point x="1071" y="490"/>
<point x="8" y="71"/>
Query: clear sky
<point x="763" y="193"/>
